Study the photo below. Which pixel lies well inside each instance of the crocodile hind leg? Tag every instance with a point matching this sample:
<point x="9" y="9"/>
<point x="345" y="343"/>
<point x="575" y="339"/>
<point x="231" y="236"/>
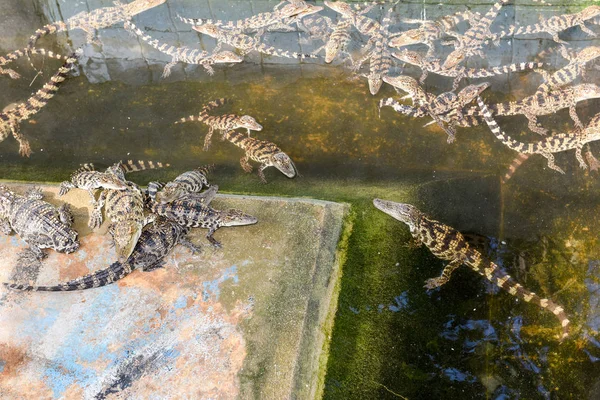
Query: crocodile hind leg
<point x="592" y="161"/>
<point x="551" y="163"/>
<point x="65" y="214"/>
<point x="556" y="38"/>
<point x="185" y="242"/>
<point x="5" y="227"/>
<point x="579" y="157"/>
<point x="211" y="239"/>
<point x="65" y="187"/>
<point x="444" y="277"/>
<point x="24" y="147"/>
<point x="587" y="30"/>
<point x="574" y="117"/>
<point x="167" y="70"/>
<point x="261" y="173"/>
<point x="533" y="124"/>
<point x="34" y="193"/>
<point x="245" y="164"/>
<point x="208" y="138"/>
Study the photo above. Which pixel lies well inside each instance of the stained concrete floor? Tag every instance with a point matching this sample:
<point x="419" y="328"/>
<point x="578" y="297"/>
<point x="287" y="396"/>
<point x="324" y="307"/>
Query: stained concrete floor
<point x="249" y="320"/>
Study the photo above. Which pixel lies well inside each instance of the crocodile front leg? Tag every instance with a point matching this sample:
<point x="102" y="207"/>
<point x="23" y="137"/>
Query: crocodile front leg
<point x="167" y="70"/>
<point x="245" y="164"/>
<point x="556" y="38"/>
<point x="211" y="239"/>
<point x="5" y="227"/>
<point x="96" y="215"/>
<point x="574" y="117"/>
<point x="586" y="29"/>
<point x="579" y="157"/>
<point x="208" y="138"/>
<point x="592" y="161"/>
<point x="65" y="187"/>
<point x="444" y="277"/>
<point x="185" y="242"/>
<point x="24" y="147"/>
<point x="261" y="173"/>
<point x="551" y="163"/>
<point x="533" y="124"/>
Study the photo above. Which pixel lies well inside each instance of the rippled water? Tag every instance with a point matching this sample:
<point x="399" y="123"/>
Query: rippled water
<point x="391" y="339"/>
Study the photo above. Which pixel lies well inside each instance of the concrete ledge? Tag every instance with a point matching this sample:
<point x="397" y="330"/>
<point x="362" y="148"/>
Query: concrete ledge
<point x="242" y="321"/>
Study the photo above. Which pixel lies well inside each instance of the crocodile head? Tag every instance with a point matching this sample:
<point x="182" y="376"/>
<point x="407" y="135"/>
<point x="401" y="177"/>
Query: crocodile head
<point x="412" y="36"/>
<point x="233" y="217"/>
<point x="375" y="83"/>
<point x="454" y="59"/>
<point x="586" y="91"/>
<point x="116" y="170"/>
<point x="411" y="57"/>
<point x="139" y="6"/>
<point x="401" y="211"/>
<point x="207" y="29"/>
<point x="284" y="163"/>
<point x="589" y="12"/>
<point x="169" y="193"/>
<point x="125" y="235"/>
<point x="248" y="122"/>
<point x="343" y="8"/>
<point x="470" y="92"/>
<point x="110" y="181"/>
<point x="292" y="9"/>
<point x="404" y="83"/>
<point x="227" y="56"/>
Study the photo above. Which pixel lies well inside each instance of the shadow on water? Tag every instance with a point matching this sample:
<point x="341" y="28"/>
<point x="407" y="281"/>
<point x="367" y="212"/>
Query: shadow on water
<point x="391" y="339"/>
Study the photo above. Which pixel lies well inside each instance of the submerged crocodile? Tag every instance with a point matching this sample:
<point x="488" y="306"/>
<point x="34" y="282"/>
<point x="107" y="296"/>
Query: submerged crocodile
<point x="550" y="145"/>
<point x="187" y="183"/>
<point x="96" y="19"/>
<point x="155" y="243"/>
<point x="244" y="43"/>
<point x="191" y="213"/>
<point x="448" y="244"/>
<point x="11" y="119"/>
<point x="553" y="25"/>
<point x="569" y="73"/>
<point x="430" y="31"/>
<point x="471" y="42"/>
<point x="459" y="72"/>
<point x="185" y="54"/>
<point x="437" y="107"/>
<point x="40" y="224"/>
<point x="545" y="103"/>
<point x="222" y="123"/>
<point x="264" y="152"/>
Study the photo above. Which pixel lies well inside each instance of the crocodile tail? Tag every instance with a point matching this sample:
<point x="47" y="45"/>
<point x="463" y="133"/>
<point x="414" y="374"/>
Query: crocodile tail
<point x="505" y="69"/>
<point x="196" y="21"/>
<point x="235" y="137"/>
<point x="516" y="163"/>
<point x="141" y="165"/>
<point x="103" y="277"/>
<point x="211" y="105"/>
<point x="500" y="135"/>
<point x="206" y="169"/>
<point x="500" y="278"/>
<point x="45" y="30"/>
<point x="272" y="51"/>
<point x="399" y="107"/>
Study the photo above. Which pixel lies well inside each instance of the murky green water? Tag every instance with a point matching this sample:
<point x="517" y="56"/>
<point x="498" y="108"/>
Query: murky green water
<point x="391" y="339"/>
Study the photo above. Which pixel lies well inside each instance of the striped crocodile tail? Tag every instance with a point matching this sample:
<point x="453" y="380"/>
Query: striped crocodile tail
<point x="15" y="55"/>
<point x="141" y="165"/>
<point x="272" y="51"/>
<point x="516" y="163"/>
<point x="496" y="131"/>
<point x="507" y="283"/>
<point x="103" y="277"/>
<point x="506" y="69"/>
<point x="206" y="169"/>
<point x="45" y="30"/>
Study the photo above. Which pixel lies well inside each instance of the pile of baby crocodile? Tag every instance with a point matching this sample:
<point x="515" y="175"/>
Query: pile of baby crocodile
<point x="145" y="225"/>
<point x="179" y="205"/>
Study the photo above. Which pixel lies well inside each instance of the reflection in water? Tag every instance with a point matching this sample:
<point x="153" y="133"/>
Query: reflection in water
<point x="590" y="332"/>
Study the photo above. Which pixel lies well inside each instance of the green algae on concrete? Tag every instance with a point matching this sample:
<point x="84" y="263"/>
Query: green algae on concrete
<point x="248" y="320"/>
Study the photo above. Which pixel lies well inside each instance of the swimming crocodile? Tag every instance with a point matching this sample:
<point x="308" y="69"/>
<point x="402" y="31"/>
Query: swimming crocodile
<point x="470" y="43"/>
<point x="10" y="119"/>
<point x="185" y="54"/>
<point x="448" y="102"/>
<point x="15" y="55"/>
<point x="553" y="25"/>
<point x="155" y="243"/>
<point x="40" y="224"/>
<point x="430" y="31"/>
<point x="244" y="43"/>
<point x="448" y="244"/>
<point x="544" y="104"/>
<point x="459" y="72"/>
<point x="96" y="19"/>
<point x="569" y="73"/>
<point x="264" y="152"/>
<point x="551" y="144"/>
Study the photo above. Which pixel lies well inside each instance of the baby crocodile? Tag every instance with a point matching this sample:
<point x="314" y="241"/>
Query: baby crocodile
<point x="185" y="54"/>
<point x="187" y="183"/>
<point x="89" y="179"/>
<point x="155" y="243"/>
<point x="192" y="213"/>
<point x="10" y="119"/>
<point x="448" y="244"/>
<point x="38" y="223"/>
<point x="550" y="145"/>
<point x="264" y="152"/>
<point x="15" y="55"/>
<point x="223" y="122"/>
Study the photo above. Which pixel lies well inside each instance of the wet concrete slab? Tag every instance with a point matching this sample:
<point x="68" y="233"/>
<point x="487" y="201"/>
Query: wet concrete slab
<point x="249" y="320"/>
